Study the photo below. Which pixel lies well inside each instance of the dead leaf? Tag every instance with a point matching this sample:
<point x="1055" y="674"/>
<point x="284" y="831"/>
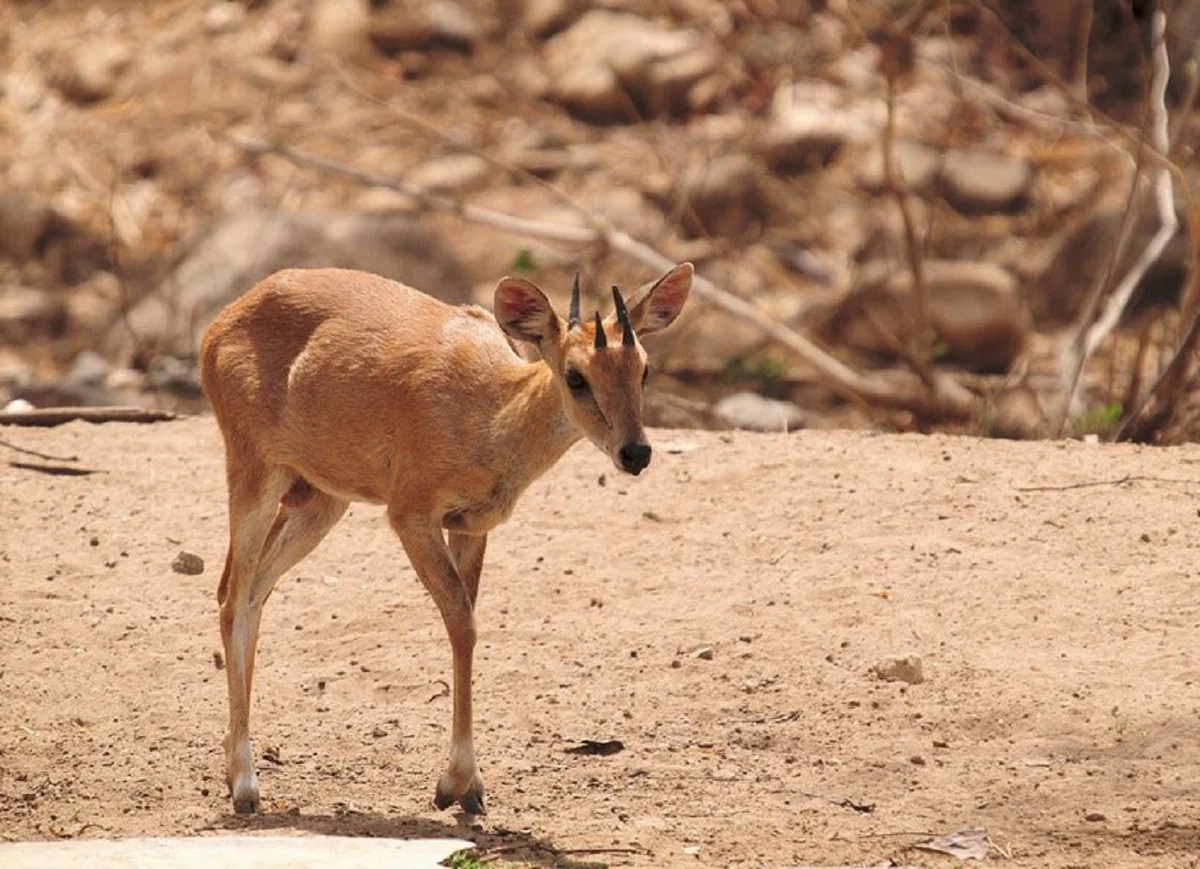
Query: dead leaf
<point x="600" y="748"/>
<point x="970" y="844"/>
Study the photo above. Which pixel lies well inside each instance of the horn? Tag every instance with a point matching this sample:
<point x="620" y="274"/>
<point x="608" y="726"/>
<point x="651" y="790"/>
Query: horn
<point x="573" y="317"/>
<point x="623" y="318"/>
<point x="601" y="338"/>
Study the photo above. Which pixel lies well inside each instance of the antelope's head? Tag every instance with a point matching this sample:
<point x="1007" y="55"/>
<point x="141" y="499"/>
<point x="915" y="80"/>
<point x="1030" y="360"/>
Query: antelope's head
<point x="599" y="365"/>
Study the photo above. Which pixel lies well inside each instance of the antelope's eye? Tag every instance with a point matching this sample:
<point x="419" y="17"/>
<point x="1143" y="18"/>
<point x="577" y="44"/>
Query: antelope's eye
<point x="575" y="381"/>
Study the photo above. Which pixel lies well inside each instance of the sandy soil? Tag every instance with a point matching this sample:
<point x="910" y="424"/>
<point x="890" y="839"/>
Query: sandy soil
<point x="1059" y="631"/>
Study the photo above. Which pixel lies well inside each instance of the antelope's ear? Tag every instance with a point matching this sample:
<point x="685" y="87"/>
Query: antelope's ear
<point x="524" y="312"/>
<point x="656" y="305"/>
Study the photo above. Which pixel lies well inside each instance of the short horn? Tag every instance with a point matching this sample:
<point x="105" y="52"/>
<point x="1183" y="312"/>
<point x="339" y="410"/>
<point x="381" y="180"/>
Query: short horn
<point x="573" y="317"/>
<point x="601" y="338"/>
<point x="623" y="318"/>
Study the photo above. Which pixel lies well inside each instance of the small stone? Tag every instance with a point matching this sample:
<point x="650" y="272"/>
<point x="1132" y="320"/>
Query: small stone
<point x="95" y="541"/>
<point x="223" y="17"/>
<point x="188" y="564"/>
<point x="917" y="760"/>
<point x="753" y="412"/>
<point x="27" y="313"/>
<point x="916" y="167"/>
<point x="977" y="182"/>
<point x="544" y="18"/>
<point x="901" y="668"/>
<point x="459" y="172"/>
<point x="704" y="653"/>
<point x="1095" y="817"/>
<point x="379" y="733"/>
<point x="88" y="369"/>
<point x="95" y="71"/>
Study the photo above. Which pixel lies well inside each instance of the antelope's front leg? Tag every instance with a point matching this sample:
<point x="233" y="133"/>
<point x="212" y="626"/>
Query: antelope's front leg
<point x="423" y="543"/>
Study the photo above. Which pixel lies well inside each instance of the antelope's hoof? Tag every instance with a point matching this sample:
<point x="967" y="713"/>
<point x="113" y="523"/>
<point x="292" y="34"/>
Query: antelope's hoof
<point x="470" y="799"/>
<point x="246" y="806"/>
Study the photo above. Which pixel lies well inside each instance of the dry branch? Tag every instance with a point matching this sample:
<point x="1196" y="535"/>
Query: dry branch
<point x="946" y="398"/>
<point x="52" y="416"/>
<point x="1088" y="335"/>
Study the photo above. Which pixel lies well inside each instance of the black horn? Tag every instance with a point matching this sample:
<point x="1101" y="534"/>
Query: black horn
<point x="623" y="318"/>
<point x="573" y="317"/>
<point x="601" y="338"/>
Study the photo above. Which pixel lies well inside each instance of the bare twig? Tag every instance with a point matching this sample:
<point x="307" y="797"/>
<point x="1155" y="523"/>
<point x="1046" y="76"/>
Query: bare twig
<point x="946" y="398"/>
<point x="52" y="416"/>
<point x="1083" y="33"/>
<point x="1089" y="335"/>
<point x="55" y="470"/>
<point x="918" y="354"/>
<point x="36" y="454"/>
<point x="1128" y="478"/>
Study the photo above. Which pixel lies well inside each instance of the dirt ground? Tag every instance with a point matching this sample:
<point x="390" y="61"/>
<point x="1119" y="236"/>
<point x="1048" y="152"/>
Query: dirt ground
<point x="1059" y="631"/>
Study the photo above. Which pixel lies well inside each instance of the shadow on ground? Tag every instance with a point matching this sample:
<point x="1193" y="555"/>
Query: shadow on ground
<point x="495" y="844"/>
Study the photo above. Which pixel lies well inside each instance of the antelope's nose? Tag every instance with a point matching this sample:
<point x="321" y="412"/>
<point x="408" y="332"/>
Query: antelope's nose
<point x="634" y="457"/>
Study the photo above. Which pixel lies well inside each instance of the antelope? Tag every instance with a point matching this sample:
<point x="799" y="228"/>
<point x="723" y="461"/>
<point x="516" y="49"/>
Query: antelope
<point x="331" y="386"/>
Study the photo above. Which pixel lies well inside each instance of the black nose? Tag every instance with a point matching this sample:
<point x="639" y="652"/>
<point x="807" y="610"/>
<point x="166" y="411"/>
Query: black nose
<point x="634" y="457"/>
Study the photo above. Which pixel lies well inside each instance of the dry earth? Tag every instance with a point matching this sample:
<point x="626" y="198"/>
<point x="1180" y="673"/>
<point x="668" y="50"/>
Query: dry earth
<point x="1058" y="628"/>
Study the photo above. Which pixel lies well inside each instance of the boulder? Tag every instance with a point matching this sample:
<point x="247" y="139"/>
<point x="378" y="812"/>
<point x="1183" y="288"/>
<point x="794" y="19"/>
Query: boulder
<point x="917" y="167"/>
<point x="753" y="412"/>
<point x="975" y="310"/>
<point x="725" y="197"/>
<point x="981" y="182"/>
<point x="237" y="252"/>
<point x="1056" y="296"/>
<point x="26" y="314"/>
<point x="94" y="71"/>
<point x="424" y="27"/>
<point x="810" y="123"/>
<point x="608" y="60"/>
<point x="32" y="230"/>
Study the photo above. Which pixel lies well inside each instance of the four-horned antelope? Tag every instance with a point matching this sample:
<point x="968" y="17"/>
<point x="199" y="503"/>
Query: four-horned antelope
<point x="332" y="386"/>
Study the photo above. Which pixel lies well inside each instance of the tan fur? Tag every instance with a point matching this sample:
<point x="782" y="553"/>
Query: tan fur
<point x="332" y="386"/>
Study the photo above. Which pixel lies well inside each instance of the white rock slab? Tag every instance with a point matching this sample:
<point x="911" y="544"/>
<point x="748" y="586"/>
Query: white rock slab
<point x="232" y="852"/>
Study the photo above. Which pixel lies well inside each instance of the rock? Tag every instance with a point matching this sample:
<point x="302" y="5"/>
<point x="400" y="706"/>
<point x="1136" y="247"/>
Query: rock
<point x="1014" y="413"/>
<point x="704" y="653"/>
<point x="30" y="230"/>
<point x="917" y="167"/>
<point x="1056" y="296"/>
<point x="1095" y="817"/>
<point x="607" y="59"/>
<point x="975" y="310"/>
<point x="341" y="27"/>
<point x="188" y="564"/>
<point x="94" y="72"/>
<point x="544" y="18"/>
<point x="223" y="17"/>
<point x="725" y="197"/>
<point x="235" y="253"/>
<point x="753" y="412"/>
<point x="89" y="369"/>
<point x="18" y="405"/>
<point x="901" y="668"/>
<point x="810" y="123"/>
<point x="424" y="27"/>
<point x="26" y="314"/>
<point x="457" y="172"/>
<point x="168" y="374"/>
<point x="979" y="182"/>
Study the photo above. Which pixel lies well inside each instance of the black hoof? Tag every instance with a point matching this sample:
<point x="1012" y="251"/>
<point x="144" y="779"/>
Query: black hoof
<point x="472" y="803"/>
<point x="442" y="800"/>
<point x="245" y="807"/>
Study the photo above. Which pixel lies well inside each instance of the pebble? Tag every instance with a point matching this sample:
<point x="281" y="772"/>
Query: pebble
<point x="188" y="564"/>
<point x="901" y="668"/>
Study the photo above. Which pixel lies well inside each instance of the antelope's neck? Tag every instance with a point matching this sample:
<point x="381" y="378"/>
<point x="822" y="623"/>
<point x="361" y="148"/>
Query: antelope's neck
<point x="532" y="425"/>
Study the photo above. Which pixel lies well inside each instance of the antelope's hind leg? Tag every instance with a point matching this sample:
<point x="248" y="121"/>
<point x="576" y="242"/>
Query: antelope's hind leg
<point x="266" y="539"/>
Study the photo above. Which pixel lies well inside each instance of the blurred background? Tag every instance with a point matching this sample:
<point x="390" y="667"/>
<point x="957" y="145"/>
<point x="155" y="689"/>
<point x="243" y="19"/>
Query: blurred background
<point x="158" y="158"/>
